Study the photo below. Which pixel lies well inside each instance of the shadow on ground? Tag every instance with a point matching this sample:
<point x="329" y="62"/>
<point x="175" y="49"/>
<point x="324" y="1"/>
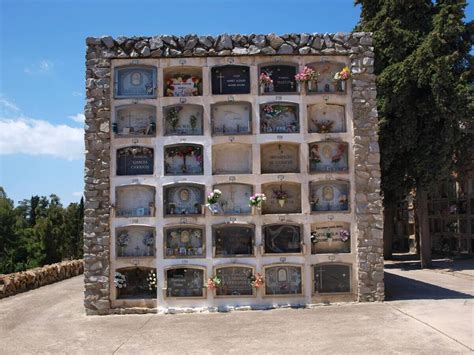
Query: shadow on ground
<point x="399" y="288"/>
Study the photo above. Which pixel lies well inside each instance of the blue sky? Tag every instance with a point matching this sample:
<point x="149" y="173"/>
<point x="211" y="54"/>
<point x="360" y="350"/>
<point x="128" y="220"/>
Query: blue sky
<point x="42" y="69"/>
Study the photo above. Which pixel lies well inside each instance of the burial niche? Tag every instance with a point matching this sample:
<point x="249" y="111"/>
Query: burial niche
<point x="235" y="198"/>
<point x="328" y="156"/>
<point x="329" y="196"/>
<point x="230" y="80"/>
<point x="135" y="120"/>
<point x="326" y="118"/>
<point x="280" y="158"/>
<point x="235" y="280"/>
<point x="135" y="82"/>
<point x="282" y="198"/>
<point x="183" y="120"/>
<point x="182" y="81"/>
<point x="282" y="239"/>
<point x="184" y="159"/>
<point x="283" y="280"/>
<point x="231" y="158"/>
<point x="135" y="161"/>
<point x="183" y="199"/>
<point x="278" y="78"/>
<point x="233" y="240"/>
<point x="326" y="81"/>
<point x="184" y="242"/>
<point x="330" y="238"/>
<point x="135" y="241"/>
<point x="185" y="282"/>
<point x="279" y="118"/>
<point x="135" y="283"/>
<point x="332" y="278"/>
<point x="135" y="201"/>
<point x="231" y="118"/>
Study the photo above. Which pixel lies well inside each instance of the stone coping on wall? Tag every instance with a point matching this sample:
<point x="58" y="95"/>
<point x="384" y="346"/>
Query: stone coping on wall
<point x="357" y="46"/>
<point x="14" y="283"/>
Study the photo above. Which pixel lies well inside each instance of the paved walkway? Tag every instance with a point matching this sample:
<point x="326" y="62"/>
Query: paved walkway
<point x="427" y="312"/>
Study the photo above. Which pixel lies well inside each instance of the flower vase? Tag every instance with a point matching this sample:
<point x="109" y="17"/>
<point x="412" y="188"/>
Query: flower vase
<point x="281" y="202"/>
<point x="312" y="85"/>
<point x="343" y="86"/>
<point x="122" y="250"/>
<point x="215" y="208"/>
<point x="149" y="252"/>
<point x="256" y="210"/>
<point x="262" y="88"/>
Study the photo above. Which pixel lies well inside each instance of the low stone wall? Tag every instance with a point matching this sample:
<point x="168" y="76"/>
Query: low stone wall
<point x="11" y="284"/>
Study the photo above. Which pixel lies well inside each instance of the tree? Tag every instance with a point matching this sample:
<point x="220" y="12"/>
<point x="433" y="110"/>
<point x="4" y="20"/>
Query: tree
<point x="422" y="96"/>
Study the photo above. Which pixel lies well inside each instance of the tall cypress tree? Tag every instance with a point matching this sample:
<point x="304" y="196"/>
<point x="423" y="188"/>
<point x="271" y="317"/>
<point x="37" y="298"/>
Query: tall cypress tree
<point x="422" y="97"/>
<point x="399" y="27"/>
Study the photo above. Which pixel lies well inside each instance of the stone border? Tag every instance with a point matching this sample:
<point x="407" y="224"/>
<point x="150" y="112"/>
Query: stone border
<point x="368" y="204"/>
<point x="12" y="284"/>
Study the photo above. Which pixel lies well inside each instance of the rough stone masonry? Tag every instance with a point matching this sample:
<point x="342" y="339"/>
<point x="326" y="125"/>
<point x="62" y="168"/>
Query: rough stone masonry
<point x="368" y="205"/>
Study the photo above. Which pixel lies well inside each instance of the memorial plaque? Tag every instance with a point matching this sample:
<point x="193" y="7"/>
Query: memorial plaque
<point x="136" y="285"/>
<point x="283" y="77"/>
<point x="231" y="118"/>
<point x="282" y="198"/>
<point x="135" y="201"/>
<point x="235" y="198"/>
<point x="279" y="158"/>
<point x="332" y="278"/>
<point x="330" y="238"/>
<point x="328" y="156"/>
<point x="184" y="159"/>
<point x="235" y="281"/>
<point x="184" y="242"/>
<point x="279" y="118"/>
<point x="135" y="241"/>
<point x="184" y="282"/>
<point x="183" y="199"/>
<point x="326" y="118"/>
<point x="135" y="120"/>
<point x="135" y="161"/>
<point x="283" y="280"/>
<point x="282" y="239"/>
<point x="329" y="196"/>
<point x="181" y="84"/>
<point x="183" y="120"/>
<point x="232" y="158"/>
<point x="135" y="82"/>
<point x="230" y="79"/>
<point x="233" y="240"/>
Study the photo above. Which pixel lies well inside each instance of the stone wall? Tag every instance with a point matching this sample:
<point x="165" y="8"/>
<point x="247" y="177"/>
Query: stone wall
<point x="11" y="284"/>
<point x="100" y="52"/>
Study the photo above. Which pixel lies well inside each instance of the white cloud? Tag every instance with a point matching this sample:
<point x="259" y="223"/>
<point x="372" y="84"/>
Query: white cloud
<point x="43" y="67"/>
<point x="7" y="106"/>
<point x="79" y="117"/>
<point x="38" y="137"/>
<point x="77" y="194"/>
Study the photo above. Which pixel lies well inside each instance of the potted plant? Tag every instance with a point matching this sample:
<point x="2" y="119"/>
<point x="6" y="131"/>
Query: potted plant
<point x="341" y="77"/>
<point x="265" y="82"/>
<point x="308" y="76"/>
<point x="281" y="196"/>
<point x="256" y="201"/>
<point x="212" y="201"/>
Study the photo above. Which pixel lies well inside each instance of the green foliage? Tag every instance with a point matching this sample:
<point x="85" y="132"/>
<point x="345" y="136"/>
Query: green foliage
<point x="38" y="231"/>
<point x="422" y="62"/>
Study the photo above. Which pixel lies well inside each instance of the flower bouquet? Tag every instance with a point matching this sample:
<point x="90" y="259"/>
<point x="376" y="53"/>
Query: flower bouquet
<point x="344" y="234"/>
<point x="149" y="241"/>
<point x="173" y="117"/>
<point x="212" y="201"/>
<point x="151" y="280"/>
<point x="309" y="76"/>
<point x="265" y="81"/>
<point x="122" y="241"/>
<point x="256" y="281"/>
<point x="214" y="282"/>
<point x="120" y="280"/>
<point x="341" y="77"/>
<point x="323" y="126"/>
<point x="256" y="200"/>
<point x="281" y="196"/>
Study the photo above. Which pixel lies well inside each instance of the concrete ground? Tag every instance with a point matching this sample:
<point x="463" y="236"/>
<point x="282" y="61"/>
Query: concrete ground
<point x="428" y="311"/>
